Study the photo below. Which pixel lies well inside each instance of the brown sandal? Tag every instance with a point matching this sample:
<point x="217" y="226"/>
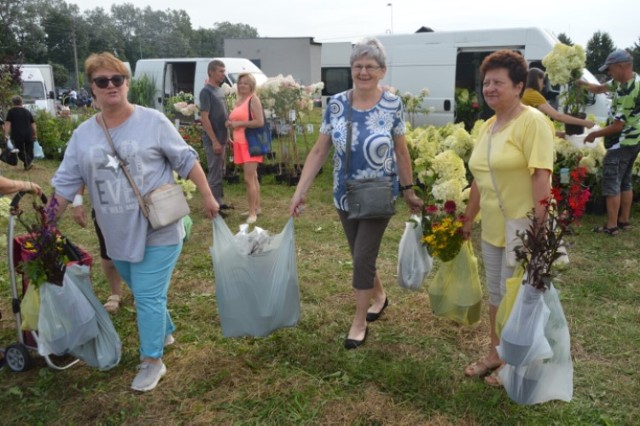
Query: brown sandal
<point x="480" y="368"/>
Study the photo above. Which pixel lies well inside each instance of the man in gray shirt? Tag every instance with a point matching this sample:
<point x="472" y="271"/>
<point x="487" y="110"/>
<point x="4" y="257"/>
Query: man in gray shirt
<point x="213" y="113"/>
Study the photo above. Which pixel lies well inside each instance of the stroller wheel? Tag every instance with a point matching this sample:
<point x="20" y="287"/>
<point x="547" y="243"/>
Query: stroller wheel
<point x="17" y="358"/>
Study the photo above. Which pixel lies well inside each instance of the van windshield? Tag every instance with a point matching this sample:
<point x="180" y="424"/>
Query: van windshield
<point x="260" y="77"/>
<point x="33" y="90"/>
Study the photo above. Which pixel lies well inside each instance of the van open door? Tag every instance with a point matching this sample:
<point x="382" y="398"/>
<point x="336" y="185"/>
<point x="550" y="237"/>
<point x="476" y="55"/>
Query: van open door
<point x="469" y="105"/>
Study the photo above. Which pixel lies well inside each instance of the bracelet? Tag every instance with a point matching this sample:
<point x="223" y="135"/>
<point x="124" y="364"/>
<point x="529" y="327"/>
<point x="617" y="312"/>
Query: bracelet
<point x="405" y="187"/>
<point x="77" y="201"/>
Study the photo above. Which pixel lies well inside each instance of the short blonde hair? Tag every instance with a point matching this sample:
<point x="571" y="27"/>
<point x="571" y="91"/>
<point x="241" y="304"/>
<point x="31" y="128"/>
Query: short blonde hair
<point x="104" y="60"/>
<point x="250" y="77"/>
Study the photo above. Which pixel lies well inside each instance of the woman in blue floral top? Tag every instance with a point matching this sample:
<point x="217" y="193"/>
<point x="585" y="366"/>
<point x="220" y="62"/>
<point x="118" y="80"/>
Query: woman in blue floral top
<point x="378" y="148"/>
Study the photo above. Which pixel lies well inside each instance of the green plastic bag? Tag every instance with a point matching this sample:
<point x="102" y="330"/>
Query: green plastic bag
<point x="187" y="222"/>
<point x="455" y="291"/>
<point x="30" y="309"/>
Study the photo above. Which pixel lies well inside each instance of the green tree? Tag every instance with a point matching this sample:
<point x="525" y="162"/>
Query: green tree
<point x="635" y="53"/>
<point x="563" y="38"/>
<point x="103" y="35"/>
<point x="21" y="37"/>
<point x="598" y="48"/>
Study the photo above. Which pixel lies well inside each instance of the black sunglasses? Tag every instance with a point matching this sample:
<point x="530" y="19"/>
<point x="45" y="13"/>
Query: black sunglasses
<point x="103" y="82"/>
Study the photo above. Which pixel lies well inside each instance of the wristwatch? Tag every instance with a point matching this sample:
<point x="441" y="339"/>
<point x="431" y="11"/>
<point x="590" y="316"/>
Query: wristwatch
<point x="405" y="187"/>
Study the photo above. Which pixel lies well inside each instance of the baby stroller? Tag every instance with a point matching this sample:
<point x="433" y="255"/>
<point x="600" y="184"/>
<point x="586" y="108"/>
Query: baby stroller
<point x="17" y="356"/>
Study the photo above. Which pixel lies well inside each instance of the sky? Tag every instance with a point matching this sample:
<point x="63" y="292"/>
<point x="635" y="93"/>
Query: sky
<point x="351" y="20"/>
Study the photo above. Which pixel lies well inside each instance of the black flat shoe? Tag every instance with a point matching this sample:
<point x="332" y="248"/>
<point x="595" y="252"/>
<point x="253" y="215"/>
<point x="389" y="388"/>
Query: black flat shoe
<point x="373" y="316"/>
<point x="355" y="344"/>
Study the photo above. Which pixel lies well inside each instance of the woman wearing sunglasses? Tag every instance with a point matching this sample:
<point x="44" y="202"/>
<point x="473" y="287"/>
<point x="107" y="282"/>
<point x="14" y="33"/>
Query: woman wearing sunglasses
<point x="151" y="148"/>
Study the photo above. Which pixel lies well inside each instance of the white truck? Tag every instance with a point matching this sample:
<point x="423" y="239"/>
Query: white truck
<point x="443" y="61"/>
<point x="173" y="75"/>
<point x="38" y="88"/>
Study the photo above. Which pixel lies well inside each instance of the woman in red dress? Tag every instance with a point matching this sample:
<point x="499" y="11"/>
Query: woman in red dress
<point x="239" y="121"/>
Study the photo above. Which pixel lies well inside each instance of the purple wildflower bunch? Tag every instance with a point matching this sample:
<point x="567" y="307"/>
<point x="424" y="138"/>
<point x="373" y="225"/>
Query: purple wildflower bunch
<point x="43" y="249"/>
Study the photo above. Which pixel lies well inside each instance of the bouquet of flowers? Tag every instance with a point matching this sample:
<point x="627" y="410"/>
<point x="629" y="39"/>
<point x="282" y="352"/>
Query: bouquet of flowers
<point x="541" y="243"/>
<point x="442" y="230"/>
<point x="564" y="65"/>
<point x="280" y="95"/>
<point x="45" y="250"/>
<point x="182" y="103"/>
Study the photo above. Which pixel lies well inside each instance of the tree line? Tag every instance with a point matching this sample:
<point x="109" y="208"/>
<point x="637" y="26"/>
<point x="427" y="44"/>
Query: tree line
<point x="50" y="31"/>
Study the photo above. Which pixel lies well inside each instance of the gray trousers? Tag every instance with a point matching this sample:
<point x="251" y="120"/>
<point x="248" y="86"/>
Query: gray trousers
<point x="365" y="238"/>
<point x="215" y="170"/>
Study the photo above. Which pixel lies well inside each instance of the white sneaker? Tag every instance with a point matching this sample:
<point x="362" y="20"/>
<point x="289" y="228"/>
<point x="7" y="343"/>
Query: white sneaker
<point x="149" y="375"/>
<point x="252" y="219"/>
<point x="169" y="340"/>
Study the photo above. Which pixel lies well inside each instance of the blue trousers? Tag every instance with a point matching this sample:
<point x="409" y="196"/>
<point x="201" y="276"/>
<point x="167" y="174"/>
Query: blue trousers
<point x="149" y="282"/>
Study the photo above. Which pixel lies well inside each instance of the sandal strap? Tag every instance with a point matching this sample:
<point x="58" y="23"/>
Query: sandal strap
<point x="114" y="298"/>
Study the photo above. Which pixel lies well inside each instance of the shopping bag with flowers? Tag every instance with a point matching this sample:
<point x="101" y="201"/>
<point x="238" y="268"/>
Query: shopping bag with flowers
<point x="535" y="340"/>
<point x="455" y="290"/>
<point x="65" y="317"/>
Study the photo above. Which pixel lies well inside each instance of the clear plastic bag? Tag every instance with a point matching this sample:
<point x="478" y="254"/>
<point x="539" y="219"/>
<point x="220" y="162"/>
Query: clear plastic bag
<point x="455" y="291"/>
<point x="414" y="261"/>
<point x="66" y="317"/>
<point x="544" y="379"/>
<point x="38" y="152"/>
<point x="522" y="340"/>
<point x="103" y="351"/>
<point x="256" y="293"/>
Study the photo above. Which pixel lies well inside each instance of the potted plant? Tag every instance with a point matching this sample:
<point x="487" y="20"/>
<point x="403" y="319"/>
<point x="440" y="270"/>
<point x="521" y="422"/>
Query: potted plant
<point x="564" y="66"/>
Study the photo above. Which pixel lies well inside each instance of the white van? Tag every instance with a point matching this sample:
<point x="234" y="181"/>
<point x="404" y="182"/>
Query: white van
<point x="446" y="60"/>
<point x="173" y="75"/>
<point x="38" y="90"/>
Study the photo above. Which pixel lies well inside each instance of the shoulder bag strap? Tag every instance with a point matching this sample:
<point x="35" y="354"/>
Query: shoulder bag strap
<point x="349" y="133"/>
<point x="493" y="176"/>
<point x="250" y="117"/>
<point x="136" y="191"/>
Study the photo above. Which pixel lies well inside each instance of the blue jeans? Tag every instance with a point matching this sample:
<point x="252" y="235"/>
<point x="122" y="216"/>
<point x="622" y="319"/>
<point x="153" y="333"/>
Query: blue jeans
<point x="149" y="282"/>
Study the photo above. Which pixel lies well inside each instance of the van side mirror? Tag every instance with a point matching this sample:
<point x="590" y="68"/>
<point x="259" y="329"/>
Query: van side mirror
<point x="447" y="105"/>
<point x="52" y="95"/>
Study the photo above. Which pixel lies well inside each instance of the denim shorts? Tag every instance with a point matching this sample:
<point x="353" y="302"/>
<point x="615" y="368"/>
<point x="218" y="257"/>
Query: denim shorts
<point x="616" y="170"/>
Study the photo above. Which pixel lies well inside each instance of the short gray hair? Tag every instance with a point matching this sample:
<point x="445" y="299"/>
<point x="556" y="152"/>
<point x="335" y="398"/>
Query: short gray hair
<point x="371" y="48"/>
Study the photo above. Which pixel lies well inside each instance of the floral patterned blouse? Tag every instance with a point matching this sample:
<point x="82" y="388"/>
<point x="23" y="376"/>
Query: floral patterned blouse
<point x="372" y="147"/>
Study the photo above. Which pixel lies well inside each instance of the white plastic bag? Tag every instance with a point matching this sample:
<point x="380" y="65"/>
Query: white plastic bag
<point x="104" y="351"/>
<point x="66" y="318"/>
<point x="544" y="379"/>
<point x="256" y="293"/>
<point x="38" y="152"/>
<point x="414" y="261"/>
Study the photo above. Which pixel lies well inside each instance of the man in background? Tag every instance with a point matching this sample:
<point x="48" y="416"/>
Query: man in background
<point x="213" y="114"/>
<point x="20" y="127"/>
<point x="621" y="138"/>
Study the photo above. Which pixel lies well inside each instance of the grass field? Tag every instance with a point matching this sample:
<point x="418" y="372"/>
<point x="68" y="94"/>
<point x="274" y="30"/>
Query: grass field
<point x="410" y="371"/>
